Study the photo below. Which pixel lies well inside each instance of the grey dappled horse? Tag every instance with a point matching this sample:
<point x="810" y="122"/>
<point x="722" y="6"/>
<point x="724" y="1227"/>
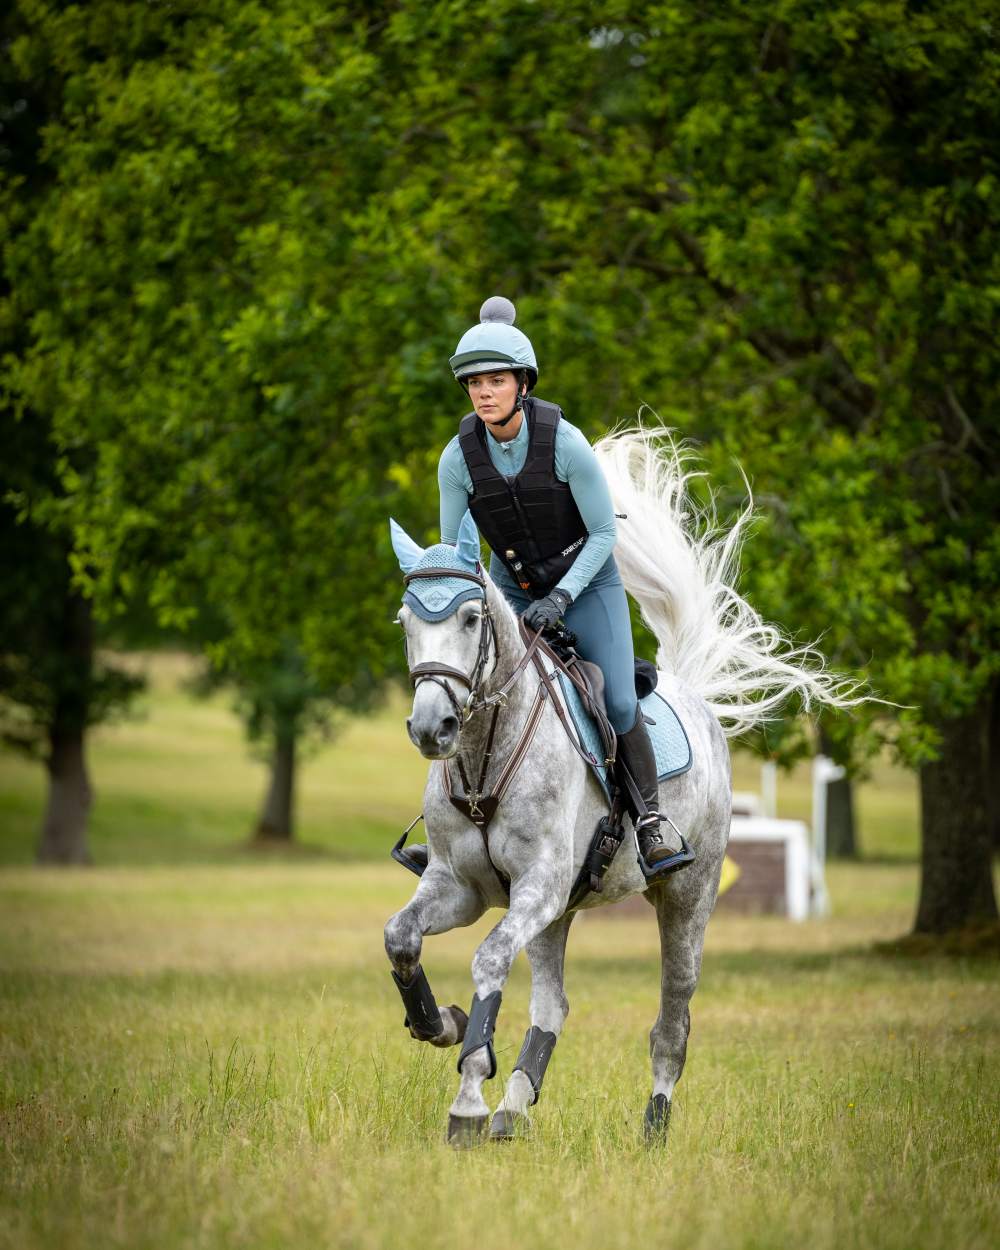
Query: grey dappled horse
<point x="717" y="661"/>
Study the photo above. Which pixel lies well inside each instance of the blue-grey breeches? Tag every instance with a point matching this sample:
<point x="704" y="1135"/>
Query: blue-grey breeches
<point x="600" y="620"/>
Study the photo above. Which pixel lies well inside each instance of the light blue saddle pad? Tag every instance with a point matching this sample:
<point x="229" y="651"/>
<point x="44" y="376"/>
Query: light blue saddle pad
<point x="670" y="742"/>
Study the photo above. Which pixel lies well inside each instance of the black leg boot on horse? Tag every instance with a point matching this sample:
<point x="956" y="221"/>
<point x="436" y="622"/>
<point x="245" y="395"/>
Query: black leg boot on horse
<point x="656" y="857"/>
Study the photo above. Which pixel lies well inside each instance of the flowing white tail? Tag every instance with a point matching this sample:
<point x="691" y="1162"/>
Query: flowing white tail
<point x="681" y="567"/>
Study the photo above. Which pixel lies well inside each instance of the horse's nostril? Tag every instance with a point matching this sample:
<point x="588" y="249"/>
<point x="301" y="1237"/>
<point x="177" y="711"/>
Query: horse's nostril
<point x="449" y="728"/>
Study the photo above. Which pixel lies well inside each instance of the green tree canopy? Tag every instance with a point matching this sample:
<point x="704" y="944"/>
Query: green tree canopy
<point x="778" y="226"/>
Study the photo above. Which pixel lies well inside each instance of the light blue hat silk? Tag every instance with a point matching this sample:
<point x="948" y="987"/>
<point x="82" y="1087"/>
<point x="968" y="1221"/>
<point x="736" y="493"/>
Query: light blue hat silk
<point x="495" y="343"/>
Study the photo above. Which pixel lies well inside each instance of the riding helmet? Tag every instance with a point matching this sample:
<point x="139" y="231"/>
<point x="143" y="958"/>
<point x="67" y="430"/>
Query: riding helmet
<point x="495" y="343"/>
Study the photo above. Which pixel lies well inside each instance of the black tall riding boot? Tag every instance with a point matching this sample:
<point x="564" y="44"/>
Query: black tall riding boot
<point x="635" y="750"/>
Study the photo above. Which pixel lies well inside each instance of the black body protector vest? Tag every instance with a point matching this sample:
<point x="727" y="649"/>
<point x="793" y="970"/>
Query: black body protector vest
<point x="531" y="520"/>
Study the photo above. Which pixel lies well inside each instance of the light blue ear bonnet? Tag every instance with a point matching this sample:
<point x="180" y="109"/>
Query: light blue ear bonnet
<point x="435" y="598"/>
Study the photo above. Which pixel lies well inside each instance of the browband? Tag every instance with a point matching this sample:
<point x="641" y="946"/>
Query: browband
<point x="438" y="574"/>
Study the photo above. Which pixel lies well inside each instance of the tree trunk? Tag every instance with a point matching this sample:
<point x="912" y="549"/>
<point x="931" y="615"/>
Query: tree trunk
<point x="63" y="838"/>
<point x="64" y="829"/>
<point x="993" y="774"/>
<point x="956" y="882"/>
<point x="276" y="817"/>
<point x="841" y="839"/>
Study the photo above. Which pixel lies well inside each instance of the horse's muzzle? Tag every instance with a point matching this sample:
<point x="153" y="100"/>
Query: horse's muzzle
<point x="436" y="739"/>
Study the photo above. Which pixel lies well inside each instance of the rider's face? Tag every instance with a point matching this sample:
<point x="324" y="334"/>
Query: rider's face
<point x="493" y="395"/>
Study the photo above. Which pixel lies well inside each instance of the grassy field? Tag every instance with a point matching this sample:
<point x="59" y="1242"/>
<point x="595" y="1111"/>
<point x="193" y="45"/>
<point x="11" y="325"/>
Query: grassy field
<point x="211" y="1056"/>
<point x="202" y="1048"/>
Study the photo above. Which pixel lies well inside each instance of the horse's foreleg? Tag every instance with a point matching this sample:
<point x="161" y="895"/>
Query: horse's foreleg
<point x="548" y="1010"/>
<point x="534" y="904"/>
<point x="438" y="904"/>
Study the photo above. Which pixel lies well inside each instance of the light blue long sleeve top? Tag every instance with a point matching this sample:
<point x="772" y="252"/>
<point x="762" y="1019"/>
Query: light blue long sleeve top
<point x="575" y="464"/>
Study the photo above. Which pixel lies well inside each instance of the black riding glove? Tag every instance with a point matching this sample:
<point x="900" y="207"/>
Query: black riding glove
<point x="543" y="613"/>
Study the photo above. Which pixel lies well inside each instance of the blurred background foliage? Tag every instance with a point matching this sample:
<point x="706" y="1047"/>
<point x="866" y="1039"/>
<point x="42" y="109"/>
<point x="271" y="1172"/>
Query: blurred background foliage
<point x="241" y="240"/>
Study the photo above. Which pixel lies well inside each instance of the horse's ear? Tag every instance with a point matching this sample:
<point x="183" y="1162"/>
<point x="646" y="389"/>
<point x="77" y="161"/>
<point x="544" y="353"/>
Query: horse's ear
<point x="468" y="542"/>
<point x="407" y="551"/>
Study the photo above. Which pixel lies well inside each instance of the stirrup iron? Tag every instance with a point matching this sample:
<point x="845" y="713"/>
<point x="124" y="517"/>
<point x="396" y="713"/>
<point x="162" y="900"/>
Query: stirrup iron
<point x="647" y="836"/>
<point x="415" y="857"/>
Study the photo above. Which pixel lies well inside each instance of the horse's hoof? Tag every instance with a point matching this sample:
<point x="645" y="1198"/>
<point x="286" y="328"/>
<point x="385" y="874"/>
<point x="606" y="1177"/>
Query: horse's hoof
<point x="455" y="1023"/>
<point x="509" y="1126"/>
<point x="657" y="1120"/>
<point x="466" y="1131"/>
<point x="461" y="1022"/>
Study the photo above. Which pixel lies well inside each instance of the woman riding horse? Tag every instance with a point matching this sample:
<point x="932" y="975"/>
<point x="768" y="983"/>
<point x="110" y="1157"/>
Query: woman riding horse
<point x="540" y="499"/>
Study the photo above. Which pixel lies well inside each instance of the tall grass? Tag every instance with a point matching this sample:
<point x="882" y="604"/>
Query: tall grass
<point x="203" y="1051"/>
<point x="209" y="1057"/>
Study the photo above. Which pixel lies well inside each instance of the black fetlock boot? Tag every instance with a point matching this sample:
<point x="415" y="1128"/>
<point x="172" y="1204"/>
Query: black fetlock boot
<point x="656" y="857"/>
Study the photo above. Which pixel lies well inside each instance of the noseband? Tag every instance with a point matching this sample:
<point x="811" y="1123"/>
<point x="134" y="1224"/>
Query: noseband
<point x="438" y="672"/>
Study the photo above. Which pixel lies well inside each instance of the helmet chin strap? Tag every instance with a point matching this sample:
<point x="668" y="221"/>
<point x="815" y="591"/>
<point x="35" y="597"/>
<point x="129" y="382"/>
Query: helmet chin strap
<point x="518" y="405"/>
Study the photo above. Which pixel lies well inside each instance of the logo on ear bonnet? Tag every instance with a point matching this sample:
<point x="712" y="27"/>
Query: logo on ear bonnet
<point x="434" y="598"/>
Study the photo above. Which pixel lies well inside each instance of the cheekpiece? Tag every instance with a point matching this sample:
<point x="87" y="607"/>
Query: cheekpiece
<point x="435" y="598"/>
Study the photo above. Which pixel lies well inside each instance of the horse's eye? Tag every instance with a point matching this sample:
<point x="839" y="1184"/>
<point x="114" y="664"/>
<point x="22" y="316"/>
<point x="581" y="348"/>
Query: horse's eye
<point x="471" y="621"/>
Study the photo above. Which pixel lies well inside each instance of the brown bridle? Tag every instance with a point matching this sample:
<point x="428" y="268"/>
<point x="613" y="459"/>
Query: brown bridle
<point x="477" y="806"/>
<point x="437" y="673"/>
<point x="536" y="651"/>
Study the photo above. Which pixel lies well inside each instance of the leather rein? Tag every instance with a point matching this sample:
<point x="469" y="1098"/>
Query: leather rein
<point x="477" y="806"/>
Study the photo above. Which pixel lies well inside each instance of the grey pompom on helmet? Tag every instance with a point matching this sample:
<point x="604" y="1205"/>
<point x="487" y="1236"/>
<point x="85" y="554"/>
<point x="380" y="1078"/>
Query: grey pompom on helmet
<point x="494" y="344"/>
